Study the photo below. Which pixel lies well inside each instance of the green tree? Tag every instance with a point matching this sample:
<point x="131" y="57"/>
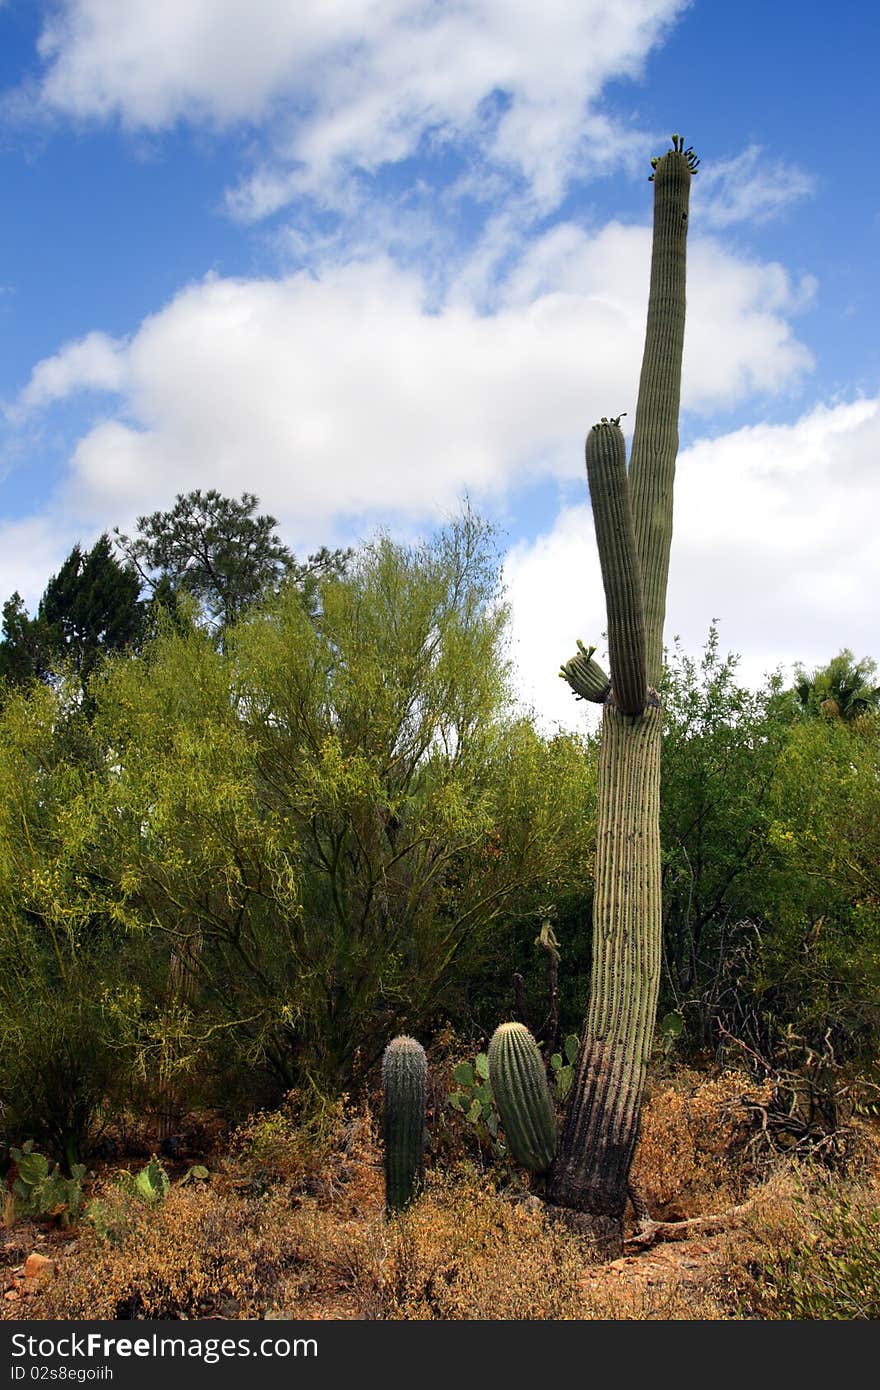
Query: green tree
<point x="633" y="518"/>
<point x="817" y="970"/>
<point x="327" y="821"/>
<point x="722" y="748"/>
<point x="218" y="551"/>
<point x="90" y="607"/>
<point x="844" y="689"/>
<point x="64" y="1060"/>
<point x="26" y="651"/>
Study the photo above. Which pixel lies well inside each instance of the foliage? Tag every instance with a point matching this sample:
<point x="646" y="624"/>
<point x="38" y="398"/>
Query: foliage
<point x="115" y="1211"/>
<point x="40" y="1188"/>
<point x="421" y="811"/>
<point x="64" y="1055"/>
<point x="722" y="745"/>
<point x="814" y="1252"/>
<point x="817" y="965"/>
<point x="216" y="550"/>
<point x="698" y="1141"/>
<point x="90" y="607"/>
<point x="843" y="689"/>
<point x="198" y="1253"/>
<point x="302" y="842"/>
<point x="772" y="897"/>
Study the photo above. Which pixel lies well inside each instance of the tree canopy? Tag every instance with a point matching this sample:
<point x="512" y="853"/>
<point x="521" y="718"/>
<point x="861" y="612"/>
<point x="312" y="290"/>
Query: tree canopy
<point x="217" y="550"/>
<point x="90" y="607"/>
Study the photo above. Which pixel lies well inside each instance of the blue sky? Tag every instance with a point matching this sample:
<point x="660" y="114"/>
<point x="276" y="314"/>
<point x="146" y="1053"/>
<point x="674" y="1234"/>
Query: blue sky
<point x="364" y="258"/>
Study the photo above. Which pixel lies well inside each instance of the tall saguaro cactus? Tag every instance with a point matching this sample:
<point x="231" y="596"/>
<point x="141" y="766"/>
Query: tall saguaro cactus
<point x="633" y="518"/>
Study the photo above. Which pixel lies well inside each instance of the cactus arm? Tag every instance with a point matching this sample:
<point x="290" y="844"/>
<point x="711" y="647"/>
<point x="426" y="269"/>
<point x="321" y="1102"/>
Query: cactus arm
<point x="621" y="572"/>
<point x="655" y="438"/>
<point x="585" y="676"/>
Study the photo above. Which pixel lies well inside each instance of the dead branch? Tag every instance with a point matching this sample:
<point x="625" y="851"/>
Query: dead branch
<point x="649" y="1231"/>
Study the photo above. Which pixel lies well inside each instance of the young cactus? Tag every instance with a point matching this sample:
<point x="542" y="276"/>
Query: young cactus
<point x="519" y="1084"/>
<point x="404" y="1092"/>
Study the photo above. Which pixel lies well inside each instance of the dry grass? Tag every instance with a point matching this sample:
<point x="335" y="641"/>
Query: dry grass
<point x="331" y="1154"/>
<point x="696" y="1151"/>
<point x="811" y="1250"/>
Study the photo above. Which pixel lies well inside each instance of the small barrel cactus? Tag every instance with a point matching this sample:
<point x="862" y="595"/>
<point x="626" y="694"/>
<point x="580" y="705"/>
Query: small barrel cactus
<point x="519" y="1085"/>
<point x="404" y="1092"/>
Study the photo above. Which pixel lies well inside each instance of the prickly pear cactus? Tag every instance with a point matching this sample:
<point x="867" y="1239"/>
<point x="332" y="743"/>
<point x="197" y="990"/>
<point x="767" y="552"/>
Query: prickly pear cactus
<point x="404" y="1093"/>
<point x="519" y="1084"/>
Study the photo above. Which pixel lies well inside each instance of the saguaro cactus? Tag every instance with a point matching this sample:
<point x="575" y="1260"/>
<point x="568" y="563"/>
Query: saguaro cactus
<point x="519" y="1085"/>
<point x="404" y="1094"/>
<point x="633" y="520"/>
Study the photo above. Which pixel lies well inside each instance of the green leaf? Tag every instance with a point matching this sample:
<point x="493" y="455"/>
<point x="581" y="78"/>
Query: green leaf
<point x="464" y="1074"/>
<point x="556" y="1061"/>
<point x="33" y="1168"/>
<point x="572" y="1046"/>
<point x="458" y="1100"/>
<point x="475" y="1112"/>
<point x="144" y="1187"/>
<point x="482" y="1065"/>
<point x="672" y="1024"/>
<point x="197" y="1173"/>
<point x="152" y="1182"/>
<point x="564" y="1079"/>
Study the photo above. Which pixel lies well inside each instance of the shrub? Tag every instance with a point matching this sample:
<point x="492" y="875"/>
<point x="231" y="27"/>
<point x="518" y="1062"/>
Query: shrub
<point x="814" y="1252"/>
<point x="695" y="1149"/>
<point x="318" y="1152"/>
<point x="198" y="1253"/>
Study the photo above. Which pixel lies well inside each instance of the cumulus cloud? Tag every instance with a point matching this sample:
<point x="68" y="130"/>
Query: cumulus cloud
<point x="770" y="537"/>
<point x="347" y="394"/>
<point x="343" y="86"/>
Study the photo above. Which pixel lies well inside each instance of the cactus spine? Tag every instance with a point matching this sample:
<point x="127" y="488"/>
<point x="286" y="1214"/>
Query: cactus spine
<point x="519" y="1085"/>
<point x="633" y="519"/>
<point x="404" y="1096"/>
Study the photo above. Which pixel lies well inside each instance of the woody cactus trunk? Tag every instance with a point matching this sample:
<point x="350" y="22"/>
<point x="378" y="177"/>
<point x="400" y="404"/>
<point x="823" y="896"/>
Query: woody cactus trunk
<point x="633" y="520"/>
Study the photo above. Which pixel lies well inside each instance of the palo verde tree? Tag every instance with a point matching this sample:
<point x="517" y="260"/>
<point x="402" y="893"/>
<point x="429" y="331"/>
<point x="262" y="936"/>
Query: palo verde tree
<point x="633" y="519"/>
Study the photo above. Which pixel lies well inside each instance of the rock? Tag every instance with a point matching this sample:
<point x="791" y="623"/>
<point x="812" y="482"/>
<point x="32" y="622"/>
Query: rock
<point x="37" y="1264"/>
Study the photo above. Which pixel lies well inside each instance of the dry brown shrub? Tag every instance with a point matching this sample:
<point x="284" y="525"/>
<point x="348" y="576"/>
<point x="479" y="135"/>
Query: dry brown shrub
<point x="695" y="1150"/>
<point x="464" y="1251"/>
<point x="200" y="1252"/>
<point x="808" y="1250"/>
<point x="329" y="1154"/>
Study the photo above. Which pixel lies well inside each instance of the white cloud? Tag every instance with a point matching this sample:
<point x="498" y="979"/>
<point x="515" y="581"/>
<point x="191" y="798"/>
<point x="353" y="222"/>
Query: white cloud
<point x="748" y="188"/>
<point x="30" y="553"/>
<point x="95" y="362"/>
<point x="555" y="590"/>
<point x="344" y="395"/>
<point x="773" y="536"/>
<point x="348" y="85"/>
